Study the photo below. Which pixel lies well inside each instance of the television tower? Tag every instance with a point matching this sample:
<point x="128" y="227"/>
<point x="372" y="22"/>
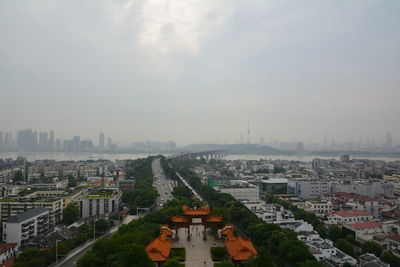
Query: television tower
<point x="248" y="132"/>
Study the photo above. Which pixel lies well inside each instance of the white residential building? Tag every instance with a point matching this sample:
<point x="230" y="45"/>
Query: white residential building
<point x="308" y="188"/>
<point x="320" y="207"/>
<point x="100" y="202"/>
<point x="10" y="207"/>
<point x="241" y="190"/>
<point x="342" y="217"/>
<point x="19" y="229"/>
<point x="323" y="250"/>
<point x="363" y="231"/>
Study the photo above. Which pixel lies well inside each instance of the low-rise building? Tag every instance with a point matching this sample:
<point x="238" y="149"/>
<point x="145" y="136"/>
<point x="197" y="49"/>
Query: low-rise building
<point x="24" y="226"/>
<point x="7" y="254"/>
<point x="10" y="207"/>
<point x="99" y="202"/>
<point x="126" y="185"/>
<point x="308" y="188"/>
<point x="319" y="207"/>
<point x="363" y="231"/>
<point x="241" y="190"/>
<point x="394" y="245"/>
<point x="342" y="217"/>
<point x="323" y="250"/>
<point x="370" y="260"/>
<point x="51" y="186"/>
<point x="272" y="185"/>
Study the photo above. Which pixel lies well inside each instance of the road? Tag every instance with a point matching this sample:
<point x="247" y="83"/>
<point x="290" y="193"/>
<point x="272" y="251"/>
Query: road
<point x="162" y="184"/>
<point x="197" y="250"/>
<point x="164" y="188"/>
<point x="71" y="259"/>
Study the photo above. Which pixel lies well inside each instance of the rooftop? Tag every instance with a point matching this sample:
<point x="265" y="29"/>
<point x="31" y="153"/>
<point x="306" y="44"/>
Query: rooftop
<point x="159" y="249"/>
<point x="238" y="248"/>
<point x="354" y="196"/>
<point x="27" y="215"/>
<point x="205" y="210"/>
<point x="366" y="225"/>
<point x="354" y="213"/>
<point x="6" y="246"/>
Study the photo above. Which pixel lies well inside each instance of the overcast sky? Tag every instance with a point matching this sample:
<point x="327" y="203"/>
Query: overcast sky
<point x="196" y="71"/>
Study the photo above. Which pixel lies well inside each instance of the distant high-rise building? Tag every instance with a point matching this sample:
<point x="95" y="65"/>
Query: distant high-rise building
<point x="261" y="140"/>
<point x="43" y="140"/>
<point x="25" y="140"/>
<point x="1" y="140"/>
<point x="109" y="142"/>
<point x="58" y="144"/>
<point x="86" y="145"/>
<point x="300" y="147"/>
<point x="389" y="141"/>
<point x="35" y="139"/>
<point x="7" y="140"/>
<point x="76" y="143"/>
<point x="171" y="145"/>
<point x="101" y="140"/>
<point x="51" y="140"/>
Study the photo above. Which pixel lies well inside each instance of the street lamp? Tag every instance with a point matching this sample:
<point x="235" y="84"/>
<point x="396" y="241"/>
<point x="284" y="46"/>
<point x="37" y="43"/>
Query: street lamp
<point x="94" y="229"/>
<point x="57" y="251"/>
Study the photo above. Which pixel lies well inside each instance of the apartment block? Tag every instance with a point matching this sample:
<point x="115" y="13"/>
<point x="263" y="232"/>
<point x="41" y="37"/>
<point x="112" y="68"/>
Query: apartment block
<point x="10" y="207"/>
<point x="24" y="226"/>
<point x="99" y="202"/>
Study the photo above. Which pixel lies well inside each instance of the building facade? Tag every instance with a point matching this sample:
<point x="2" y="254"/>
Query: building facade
<point x="22" y="227"/>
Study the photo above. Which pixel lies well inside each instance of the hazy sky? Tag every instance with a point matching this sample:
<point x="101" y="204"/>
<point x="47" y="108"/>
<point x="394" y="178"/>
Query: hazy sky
<point x="198" y="70"/>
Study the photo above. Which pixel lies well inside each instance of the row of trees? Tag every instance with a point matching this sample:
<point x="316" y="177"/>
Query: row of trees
<point x="127" y="246"/>
<point x="143" y="194"/>
<point x="276" y="246"/>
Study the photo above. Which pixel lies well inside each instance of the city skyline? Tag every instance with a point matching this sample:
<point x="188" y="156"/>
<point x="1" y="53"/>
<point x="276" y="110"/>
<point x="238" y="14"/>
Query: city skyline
<point x="32" y="140"/>
<point x="296" y="70"/>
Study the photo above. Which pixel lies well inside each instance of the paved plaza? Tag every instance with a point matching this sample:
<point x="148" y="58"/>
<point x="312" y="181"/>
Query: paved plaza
<point x="197" y="250"/>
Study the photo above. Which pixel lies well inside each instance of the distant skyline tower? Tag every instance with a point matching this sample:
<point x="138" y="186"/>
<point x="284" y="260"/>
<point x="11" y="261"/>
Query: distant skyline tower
<point x="51" y="139"/>
<point x="389" y="141"/>
<point x="102" y="140"/>
<point x="248" y="132"/>
<point x="109" y="142"/>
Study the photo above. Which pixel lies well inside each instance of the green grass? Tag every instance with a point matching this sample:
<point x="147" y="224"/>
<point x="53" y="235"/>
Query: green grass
<point x="178" y="254"/>
<point x="218" y="253"/>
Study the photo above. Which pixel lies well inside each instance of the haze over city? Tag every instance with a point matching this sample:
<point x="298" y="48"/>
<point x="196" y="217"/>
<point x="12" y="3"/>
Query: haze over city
<point x="199" y="71"/>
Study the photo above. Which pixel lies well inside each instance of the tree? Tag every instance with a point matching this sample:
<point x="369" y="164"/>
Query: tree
<point x="217" y="253"/>
<point x="311" y="263"/>
<point x="224" y="263"/>
<point x="294" y="252"/>
<point x="71" y="181"/>
<point x="70" y="214"/>
<point x="135" y="255"/>
<point x="172" y="263"/>
<point x="334" y="233"/>
<point x="101" y="226"/>
<point x="18" y="176"/>
<point x="345" y="246"/>
<point x="388" y="257"/>
<point x="372" y="247"/>
<point x="350" y="238"/>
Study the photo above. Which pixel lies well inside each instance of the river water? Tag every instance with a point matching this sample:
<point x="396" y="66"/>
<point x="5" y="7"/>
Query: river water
<point x="75" y="156"/>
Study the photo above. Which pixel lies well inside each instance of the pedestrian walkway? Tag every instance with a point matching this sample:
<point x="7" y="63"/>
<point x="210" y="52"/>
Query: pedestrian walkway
<point x="197" y="250"/>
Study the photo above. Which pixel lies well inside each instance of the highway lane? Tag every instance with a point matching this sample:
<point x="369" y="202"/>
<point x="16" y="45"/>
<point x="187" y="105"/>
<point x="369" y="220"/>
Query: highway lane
<point x="163" y="185"/>
<point x="164" y="188"/>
